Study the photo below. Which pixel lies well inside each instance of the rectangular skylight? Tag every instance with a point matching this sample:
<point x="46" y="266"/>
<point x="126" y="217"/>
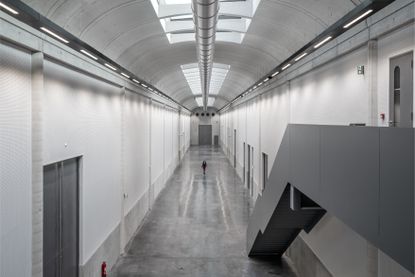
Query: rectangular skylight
<point x="211" y="100"/>
<point x="199" y="101"/>
<point x="177" y="2"/>
<point x="192" y="75"/>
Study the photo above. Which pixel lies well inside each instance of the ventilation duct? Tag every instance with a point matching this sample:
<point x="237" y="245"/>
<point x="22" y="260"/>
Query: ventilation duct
<point x="205" y="16"/>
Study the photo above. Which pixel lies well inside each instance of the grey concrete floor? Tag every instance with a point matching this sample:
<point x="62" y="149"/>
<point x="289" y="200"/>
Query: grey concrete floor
<point x="197" y="226"/>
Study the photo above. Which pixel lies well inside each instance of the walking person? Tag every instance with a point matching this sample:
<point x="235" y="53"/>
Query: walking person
<point x="204" y="166"/>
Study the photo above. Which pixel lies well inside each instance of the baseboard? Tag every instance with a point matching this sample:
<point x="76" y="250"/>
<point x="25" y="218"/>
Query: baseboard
<point x="108" y="251"/>
<point x="305" y="262"/>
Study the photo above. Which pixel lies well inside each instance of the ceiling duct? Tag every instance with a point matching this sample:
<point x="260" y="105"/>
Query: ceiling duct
<point x="205" y="16"/>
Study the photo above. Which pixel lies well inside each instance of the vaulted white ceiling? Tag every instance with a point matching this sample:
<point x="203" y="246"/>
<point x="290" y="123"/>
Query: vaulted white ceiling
<point x="130" y="32"/>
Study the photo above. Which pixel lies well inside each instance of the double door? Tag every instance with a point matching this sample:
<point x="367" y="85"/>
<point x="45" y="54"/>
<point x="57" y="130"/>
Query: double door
<point x="61" y="219"/>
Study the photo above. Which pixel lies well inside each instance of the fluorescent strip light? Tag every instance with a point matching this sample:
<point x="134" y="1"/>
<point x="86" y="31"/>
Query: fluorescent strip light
<point x="322" y="42"/>
<point x="287" y="66"/>
<point x="357" y="19"/>
<point x="260" y="84"/>
<point x="275" y="74"/>
<point x="89" y="54"/>
<point x="110" y="66"/>
<point x="265" y="80"/>
<point x="254" y="87"/>
<point x="138" y="82"/>
<point x="301" y="56"/>
<point x="144" y="85"/>
<point x="8" y="8"/>
<point x="150" y="89"/>
<point x="53" y="34"/>
<point x="125" y="75"/>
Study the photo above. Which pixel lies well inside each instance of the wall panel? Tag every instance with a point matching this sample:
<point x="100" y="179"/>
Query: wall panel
<point x="15" y="163"/>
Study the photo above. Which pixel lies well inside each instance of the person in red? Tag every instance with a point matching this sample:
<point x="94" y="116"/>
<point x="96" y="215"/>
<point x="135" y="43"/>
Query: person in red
<point x="204" y="166"/>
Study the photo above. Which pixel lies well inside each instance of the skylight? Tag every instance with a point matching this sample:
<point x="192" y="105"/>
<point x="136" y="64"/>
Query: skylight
<point x="199" y="101"/>
<point x="192" y="75"/>
<point x="177" y="2"/>
<point x="176" y="18"/>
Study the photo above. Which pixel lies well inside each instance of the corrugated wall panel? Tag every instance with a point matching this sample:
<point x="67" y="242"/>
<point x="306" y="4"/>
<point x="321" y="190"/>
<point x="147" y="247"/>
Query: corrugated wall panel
<point x="15" y="162"/>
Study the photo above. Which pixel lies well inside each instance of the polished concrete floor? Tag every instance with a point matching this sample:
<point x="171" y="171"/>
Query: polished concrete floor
<point x="197" y="226"/>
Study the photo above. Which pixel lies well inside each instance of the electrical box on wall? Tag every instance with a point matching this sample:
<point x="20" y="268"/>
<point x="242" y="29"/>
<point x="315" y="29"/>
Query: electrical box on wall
<point x="361" y="70"/>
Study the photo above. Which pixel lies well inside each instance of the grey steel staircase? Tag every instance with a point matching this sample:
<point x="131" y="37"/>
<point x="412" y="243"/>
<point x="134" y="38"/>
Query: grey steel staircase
<point x="364" y="176"/>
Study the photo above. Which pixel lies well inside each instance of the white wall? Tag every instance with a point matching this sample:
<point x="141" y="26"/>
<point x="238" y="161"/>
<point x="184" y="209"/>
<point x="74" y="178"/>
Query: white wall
<point x="118" y="133"/>
<point x="333" y="94"/>
<point x="203" y="120"/>
<point x="15" y="162"/>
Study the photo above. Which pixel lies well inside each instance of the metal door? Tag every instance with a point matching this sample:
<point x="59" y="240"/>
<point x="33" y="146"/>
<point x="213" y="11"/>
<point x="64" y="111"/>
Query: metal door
<point x="216" y="140"/>
<point x="401" y="91"/>
<point x="234" y="148"/>
<point x="248" y="173"/>
<point x="205" y="134"/>
<point x="244" y="167"/>
<point x="61" y="219"/>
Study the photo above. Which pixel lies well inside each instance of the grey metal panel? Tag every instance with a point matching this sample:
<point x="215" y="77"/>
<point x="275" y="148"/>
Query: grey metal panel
<point x="350" y="176"/>
<point x="397" y="194"/>
<point x="205" y="134"/>
<point x="50" y="221"/>
<point x="69" y="208"/>
<point x="305" y="159"/>
<point x="367" y="181"/>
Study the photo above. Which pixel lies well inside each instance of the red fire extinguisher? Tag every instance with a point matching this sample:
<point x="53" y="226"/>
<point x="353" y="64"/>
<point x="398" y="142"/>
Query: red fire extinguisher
<point x="104" y="269"/>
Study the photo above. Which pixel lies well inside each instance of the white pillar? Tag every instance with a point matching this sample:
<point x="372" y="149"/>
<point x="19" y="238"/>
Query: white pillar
<point x="37" y="164"/>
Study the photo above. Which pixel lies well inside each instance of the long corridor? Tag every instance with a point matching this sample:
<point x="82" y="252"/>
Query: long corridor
<point x="197" y="226"/>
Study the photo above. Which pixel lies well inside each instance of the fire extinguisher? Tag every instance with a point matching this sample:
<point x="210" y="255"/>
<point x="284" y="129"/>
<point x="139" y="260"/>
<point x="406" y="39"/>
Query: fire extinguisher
<point x="104" y="269"/>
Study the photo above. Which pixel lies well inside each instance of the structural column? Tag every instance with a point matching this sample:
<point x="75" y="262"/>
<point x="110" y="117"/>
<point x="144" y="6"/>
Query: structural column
<point x="37" y="164"/>
<point x="372" y="72"/>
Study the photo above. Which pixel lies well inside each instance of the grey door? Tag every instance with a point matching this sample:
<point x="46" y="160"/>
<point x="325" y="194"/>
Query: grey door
<point x="205" y="134"/>
<point x="401" y="91"/>
<point x="248" y="172"/>
<point x="234" y="148"/>
<point x="216" y="140"/>
<point x="61" y="219"/>
<point x="244" y="164"/>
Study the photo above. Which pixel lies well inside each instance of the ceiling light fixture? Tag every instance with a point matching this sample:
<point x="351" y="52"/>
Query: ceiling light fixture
<point x="110" y="66"/>
<point x="266" y="80"/>
<point x="275" y="73"/>
<point x="150" y="89"/>
<point x="357" y="19"/>
<point x="89" y="54"/>
<point x="300" y="57"/>
<point x="125" y="75"/>
<point x="286" y="66"/>
<point x="54" y="35"/>
<point x="4" y="6"/>
<point x="322" y="42"/>
<point x="144" y="85"/>
<point x="136" y="81"/>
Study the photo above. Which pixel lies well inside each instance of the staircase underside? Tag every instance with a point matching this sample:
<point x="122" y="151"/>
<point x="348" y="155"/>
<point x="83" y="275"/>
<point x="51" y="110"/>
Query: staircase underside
<point x="364" y="176"/>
